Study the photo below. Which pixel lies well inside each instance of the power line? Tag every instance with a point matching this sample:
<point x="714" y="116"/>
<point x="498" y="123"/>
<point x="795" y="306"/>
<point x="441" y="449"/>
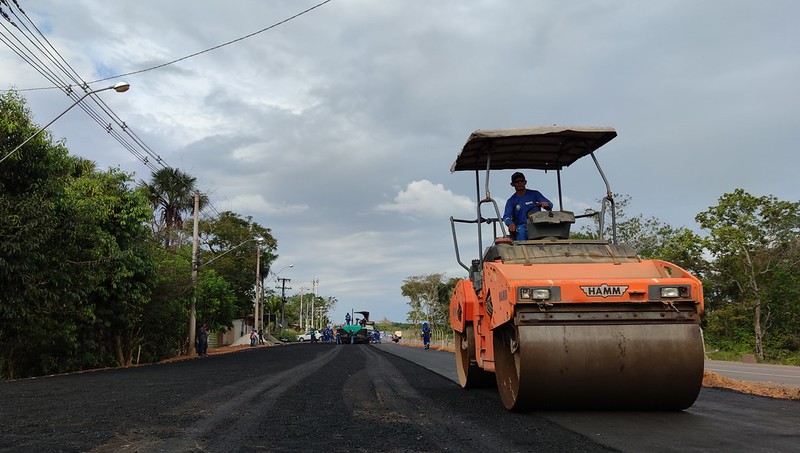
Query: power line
<point x="30" y="44"/>
<point x="217" y="46"/>
<point x="177" y="60"/>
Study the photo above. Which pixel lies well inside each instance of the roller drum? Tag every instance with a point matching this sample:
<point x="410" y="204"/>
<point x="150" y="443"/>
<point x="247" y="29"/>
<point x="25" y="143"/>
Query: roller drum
<point x="634" y="366"/>
<point x="470" y="375"/>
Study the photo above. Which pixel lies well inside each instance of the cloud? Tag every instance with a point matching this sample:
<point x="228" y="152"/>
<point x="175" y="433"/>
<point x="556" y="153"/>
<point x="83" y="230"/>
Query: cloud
<point x="424" y="199"/>
<point x="337" y="129"/>
<point x="257" y="203"/>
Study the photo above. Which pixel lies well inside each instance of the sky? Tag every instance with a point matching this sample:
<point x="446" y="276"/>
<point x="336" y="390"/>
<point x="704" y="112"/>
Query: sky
<point x="337" y="129"/>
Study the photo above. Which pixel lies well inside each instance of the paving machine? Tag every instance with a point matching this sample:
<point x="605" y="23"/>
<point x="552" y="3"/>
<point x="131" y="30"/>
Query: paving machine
<point x="561" y="323"/>
<point x="362" y="331"/>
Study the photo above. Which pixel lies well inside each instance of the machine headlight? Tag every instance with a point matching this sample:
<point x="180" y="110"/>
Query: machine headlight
<point x="670" y="292"/>
<point x="540" y="294"/>
<point x="534" y="294"/>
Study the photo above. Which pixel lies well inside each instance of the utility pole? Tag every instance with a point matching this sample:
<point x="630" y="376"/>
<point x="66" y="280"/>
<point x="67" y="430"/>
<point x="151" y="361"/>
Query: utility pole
<point x="302" y="326"/>
<point x="283" y="289"/>
<point x="314" y="284"/>
<point x="258" y="285"/>
<point x="195" y="265"/>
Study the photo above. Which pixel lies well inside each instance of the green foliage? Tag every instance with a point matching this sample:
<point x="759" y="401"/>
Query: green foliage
<point x="33" y="277"/>
<point x="288" y="335"/>
<point x="755" y="245"/>
<point x="230" y="241"/>
<point x="748" y="263"/>
<point x="322" y="308"/>
<point x="727" y="328"/>
<point x="72" y="262"/>
<point x="85" y="282"/>
<point x="166" y="321"/>
<point x="171" y="192"/>
<point x="429" y="298"/>
<point x="108" y="255"/>
<point x="385" y="324"/>
<point x="216" y="302"/>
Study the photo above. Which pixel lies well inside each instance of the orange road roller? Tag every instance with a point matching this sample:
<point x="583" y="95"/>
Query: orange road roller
<point x="561" y="323"/>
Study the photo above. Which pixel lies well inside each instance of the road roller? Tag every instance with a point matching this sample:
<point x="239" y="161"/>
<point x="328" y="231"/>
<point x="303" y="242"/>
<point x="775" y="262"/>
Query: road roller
<point x="560" y="323"/>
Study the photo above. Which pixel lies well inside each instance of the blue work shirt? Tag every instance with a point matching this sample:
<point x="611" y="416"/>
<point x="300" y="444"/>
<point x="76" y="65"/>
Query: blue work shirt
<point x="517" y="207"/>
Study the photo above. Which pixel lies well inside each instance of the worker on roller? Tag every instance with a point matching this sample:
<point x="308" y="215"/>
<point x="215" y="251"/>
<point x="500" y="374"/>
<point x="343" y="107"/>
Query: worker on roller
<point x="520" y="204"/>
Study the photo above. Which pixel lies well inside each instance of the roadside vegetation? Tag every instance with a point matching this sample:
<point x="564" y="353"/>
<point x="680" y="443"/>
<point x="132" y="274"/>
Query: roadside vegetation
<point x="96" y="267"/>
<point x="747" y="253"/>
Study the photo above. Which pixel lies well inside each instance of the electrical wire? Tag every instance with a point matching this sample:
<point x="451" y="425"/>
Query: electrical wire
<point x="56" y="59"/>
<point x="30" y="44"/>
<point x="186" y="57"/>
<point x="217" y="46"/>
<point x="56" y="65"/>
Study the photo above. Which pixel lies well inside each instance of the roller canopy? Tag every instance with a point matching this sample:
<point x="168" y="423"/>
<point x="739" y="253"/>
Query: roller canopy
<point x="540" y="148"/>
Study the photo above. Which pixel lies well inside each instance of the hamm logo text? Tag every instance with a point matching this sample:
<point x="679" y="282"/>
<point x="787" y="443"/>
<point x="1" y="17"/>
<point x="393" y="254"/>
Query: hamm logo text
<point x="604" y="290"/>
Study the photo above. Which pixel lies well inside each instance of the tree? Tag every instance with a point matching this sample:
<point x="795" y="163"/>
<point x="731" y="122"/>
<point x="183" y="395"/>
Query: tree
<point x="621" y="203"/>
<point x="652" y="239"/>
<point x="272" y="309"/>
<point x="165" y="328"/>
<point x="109" y="258"/>
<point x="230" y="240"/>
<point x="32" y="188"/>
<point x="172" y="192"/>
<point x="429" y="298"/>
<point x="216" y="302"/>
<point x="322" y="306"/>
<point x="753" y="240"/>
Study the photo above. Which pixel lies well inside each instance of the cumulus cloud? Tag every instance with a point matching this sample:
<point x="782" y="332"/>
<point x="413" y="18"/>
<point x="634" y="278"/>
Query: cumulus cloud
<point x="423" y="199"/>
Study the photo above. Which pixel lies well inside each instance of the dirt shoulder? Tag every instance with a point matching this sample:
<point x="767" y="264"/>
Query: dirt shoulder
<point x="712" y="379"/>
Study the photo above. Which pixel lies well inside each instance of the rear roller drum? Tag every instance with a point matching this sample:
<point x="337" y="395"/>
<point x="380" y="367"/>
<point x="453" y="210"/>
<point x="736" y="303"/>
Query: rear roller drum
<point x="470" y="375"/>
<point x="633" y="366"/>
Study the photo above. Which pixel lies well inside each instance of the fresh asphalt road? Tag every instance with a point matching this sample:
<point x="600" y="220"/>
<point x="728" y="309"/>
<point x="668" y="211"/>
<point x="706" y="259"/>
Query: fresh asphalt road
<point x="720" y="420"/>
<point x="305" y="397"/>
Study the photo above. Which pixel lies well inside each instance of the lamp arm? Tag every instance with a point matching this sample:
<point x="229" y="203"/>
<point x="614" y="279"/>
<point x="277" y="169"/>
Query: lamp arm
<point x="51" y="122"/>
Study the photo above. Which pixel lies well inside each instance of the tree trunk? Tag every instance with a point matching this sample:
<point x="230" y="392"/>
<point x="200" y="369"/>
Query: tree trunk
<point x="757" y="328"/>
<point x="9" y="363"/>
<point x="118" y="350"/>
<point x="759" y="333"/>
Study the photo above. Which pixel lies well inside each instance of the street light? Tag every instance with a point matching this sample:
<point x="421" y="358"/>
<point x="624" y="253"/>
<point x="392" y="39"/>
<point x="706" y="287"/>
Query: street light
<point x="275" y="274"/>
<point x="119" y="87"/>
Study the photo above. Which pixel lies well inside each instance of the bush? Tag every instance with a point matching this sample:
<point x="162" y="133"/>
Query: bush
<point x="288" y="335"/>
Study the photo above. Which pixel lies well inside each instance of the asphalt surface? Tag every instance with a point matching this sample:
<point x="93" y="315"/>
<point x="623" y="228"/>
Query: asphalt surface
<point x="315" y="397"/>
<point x="720" y="420"/>
<point x="301" y="397"/>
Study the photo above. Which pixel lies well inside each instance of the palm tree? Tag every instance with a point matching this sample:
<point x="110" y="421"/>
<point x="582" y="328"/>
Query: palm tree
<point x="172" y="191"/>
<point x="80" y="166"/>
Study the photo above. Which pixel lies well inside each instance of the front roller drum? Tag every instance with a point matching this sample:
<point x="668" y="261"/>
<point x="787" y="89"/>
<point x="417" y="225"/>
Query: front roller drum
<point x="638" y="366"/>
<point x="470" y="375"/>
